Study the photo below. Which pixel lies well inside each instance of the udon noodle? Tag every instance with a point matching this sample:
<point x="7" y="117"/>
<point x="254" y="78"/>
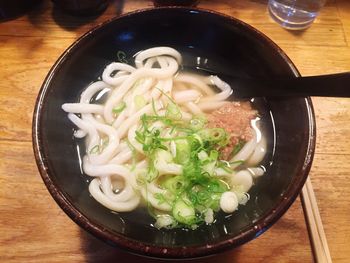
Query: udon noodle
<point x="154" y="143"/>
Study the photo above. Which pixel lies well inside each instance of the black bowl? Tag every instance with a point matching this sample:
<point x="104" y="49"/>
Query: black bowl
<point x="210" y="41"/>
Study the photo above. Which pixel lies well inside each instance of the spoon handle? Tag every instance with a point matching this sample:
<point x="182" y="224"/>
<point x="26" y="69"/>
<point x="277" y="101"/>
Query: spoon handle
<point x="334" y="85"/>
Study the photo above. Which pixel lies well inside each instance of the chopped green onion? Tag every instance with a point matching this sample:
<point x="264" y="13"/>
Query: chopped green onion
<point x="184" y="212"/>
<point x="104" y="143"/>
<point x="197" y="188"/>
<point x="214" y="155"/>
<point x="237" y="147"/>
<point x="119" y="108"/>
<point x="95" y="149"/>
<point x="174" y="184"/>
<point x="154" y="107"/>
<point x="225" y="166"/>
<point x="237" y="162"/>
<point x="198" y="123"/>
<point x="160" y="197"/>
<point x="183" y="151"/>
<point x="137" y="83"/>
<point x="121" y="56"/>
<point x="173" y="112"/>
<point x="140" y="102"/>
<point x="214" y="135"/>
<point x="166" y="95"/>
<point x="202" y="155"/>
<point x="133" y="155"/>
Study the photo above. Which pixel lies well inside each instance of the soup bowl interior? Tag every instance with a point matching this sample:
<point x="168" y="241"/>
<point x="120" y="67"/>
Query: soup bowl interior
<point x="210" y="42"/>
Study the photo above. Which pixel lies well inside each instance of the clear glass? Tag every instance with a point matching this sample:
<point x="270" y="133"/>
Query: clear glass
<point x="295" y="14"/>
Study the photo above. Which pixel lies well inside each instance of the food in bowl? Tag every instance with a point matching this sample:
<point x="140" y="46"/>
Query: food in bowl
<point x="212" y="43"/>
<point x="167" y="140"/>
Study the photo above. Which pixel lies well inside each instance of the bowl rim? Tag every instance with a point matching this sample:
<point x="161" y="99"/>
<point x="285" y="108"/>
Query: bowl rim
<point x="131" y="245"/>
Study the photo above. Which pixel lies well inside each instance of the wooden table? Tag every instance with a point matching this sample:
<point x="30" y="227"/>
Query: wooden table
<point x="34" y="229"/>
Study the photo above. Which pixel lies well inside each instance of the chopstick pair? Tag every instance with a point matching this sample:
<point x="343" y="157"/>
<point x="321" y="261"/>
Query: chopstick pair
<point x="316" y="232"/>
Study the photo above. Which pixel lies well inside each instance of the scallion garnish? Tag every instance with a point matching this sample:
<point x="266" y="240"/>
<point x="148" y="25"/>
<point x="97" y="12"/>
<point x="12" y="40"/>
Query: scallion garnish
<point x="119" y="108"/>
<point x="197" y="147"/>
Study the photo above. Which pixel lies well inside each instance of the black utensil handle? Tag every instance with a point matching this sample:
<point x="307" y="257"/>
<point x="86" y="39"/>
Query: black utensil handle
<point x="334" y="85"/>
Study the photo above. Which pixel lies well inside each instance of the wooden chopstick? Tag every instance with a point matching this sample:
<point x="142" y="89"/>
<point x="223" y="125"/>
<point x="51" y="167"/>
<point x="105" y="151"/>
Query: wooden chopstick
<point x="315" y="226"/>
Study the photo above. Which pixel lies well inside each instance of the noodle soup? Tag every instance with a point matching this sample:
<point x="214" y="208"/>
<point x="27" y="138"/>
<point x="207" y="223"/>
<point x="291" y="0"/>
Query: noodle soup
<point x="167" y="141"/>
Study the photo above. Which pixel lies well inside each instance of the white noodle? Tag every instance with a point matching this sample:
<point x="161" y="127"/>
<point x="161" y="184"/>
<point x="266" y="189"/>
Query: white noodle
<point x="120" y="206"/>
<point x="110" y="131"/>
<point x="81" y="108"/>
<point x="186" y="96"/>
<point x="193" y="108"/>
<point x="195" y="82"/>
<point x="117" y="79"/>
<point x="211" y="105"/>
<point x="155" y="52"/>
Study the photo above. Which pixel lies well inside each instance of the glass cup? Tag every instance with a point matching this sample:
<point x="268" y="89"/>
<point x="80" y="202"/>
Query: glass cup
<point x="295" y="14"/>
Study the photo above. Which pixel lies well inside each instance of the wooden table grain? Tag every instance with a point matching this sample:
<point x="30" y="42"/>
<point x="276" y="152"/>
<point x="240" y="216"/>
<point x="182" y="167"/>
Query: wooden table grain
<point x="34" y="229"/>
